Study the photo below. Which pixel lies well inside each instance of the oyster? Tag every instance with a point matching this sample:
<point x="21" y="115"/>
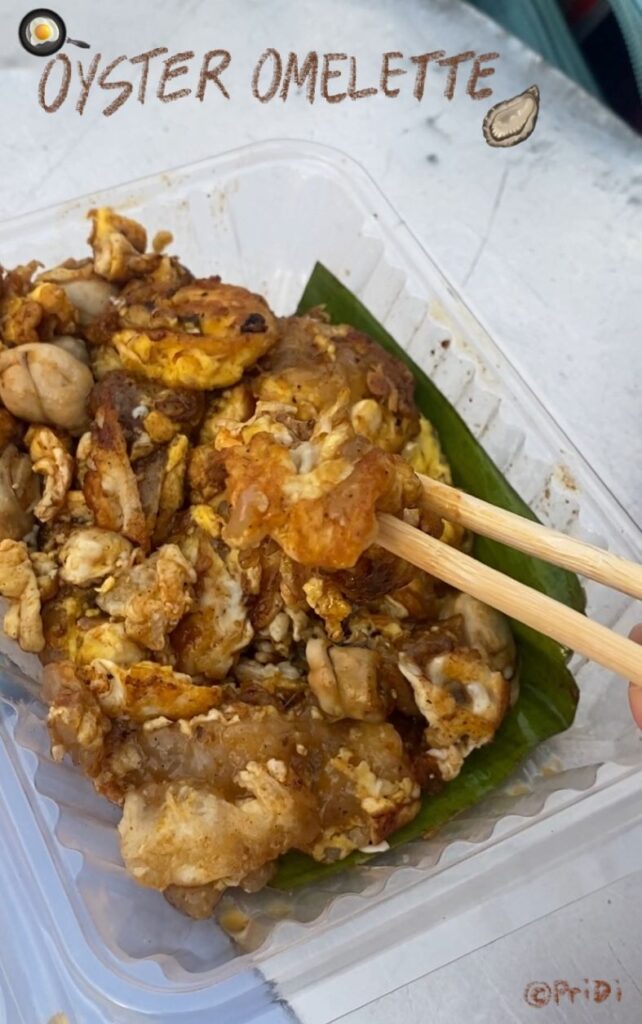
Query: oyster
<point x="512" y="121"/>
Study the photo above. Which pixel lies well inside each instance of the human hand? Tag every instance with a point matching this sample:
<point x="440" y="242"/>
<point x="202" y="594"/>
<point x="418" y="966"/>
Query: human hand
<point x="635" y="692"/>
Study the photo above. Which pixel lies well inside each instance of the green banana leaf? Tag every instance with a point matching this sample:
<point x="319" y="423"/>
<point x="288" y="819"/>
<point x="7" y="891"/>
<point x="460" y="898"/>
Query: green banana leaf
<point x="548" y="694"/>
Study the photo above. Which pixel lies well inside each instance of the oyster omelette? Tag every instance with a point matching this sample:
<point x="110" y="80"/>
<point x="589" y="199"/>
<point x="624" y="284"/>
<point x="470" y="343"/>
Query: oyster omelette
<point x="188" y="496"/>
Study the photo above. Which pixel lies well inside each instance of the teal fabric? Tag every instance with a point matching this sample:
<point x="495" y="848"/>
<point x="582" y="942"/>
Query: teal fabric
<point x="629" y="17"/>
<point x="541" y="24"/>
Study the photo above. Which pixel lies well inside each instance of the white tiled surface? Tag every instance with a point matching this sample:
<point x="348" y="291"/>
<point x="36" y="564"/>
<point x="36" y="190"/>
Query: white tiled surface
<point x="544" y="241"/>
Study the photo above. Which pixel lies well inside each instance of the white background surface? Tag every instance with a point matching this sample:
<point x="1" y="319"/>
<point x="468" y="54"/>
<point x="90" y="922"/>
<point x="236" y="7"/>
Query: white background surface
<point x="544" y="241"/>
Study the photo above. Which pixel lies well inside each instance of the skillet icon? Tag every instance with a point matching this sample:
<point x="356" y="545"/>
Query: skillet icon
<point x="42" y="32"/>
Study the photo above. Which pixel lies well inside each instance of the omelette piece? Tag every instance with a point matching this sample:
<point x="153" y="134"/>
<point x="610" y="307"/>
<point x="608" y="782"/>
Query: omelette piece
<point x="75" y="630"/>
<point x="19" y="318"/>
<point x="51" y="459"/>
<point x="463" y="702"/>
<point x="150" y="598"/>
<point x="101" y="641"/>
<point x="143" y="406"/>
<point x="18" y="582"/>
<point x="35" y="313"/>
<point x="89" y="554"/>
<point x="210" y="637"/>
<point x="315" y="492"/>
<point x="314" y="361"/>
<point x="119" y="246"/>
<point x="109" y="482"/>
<point x="233" y="405"/>
<point x="202" y="336"/>
<point x="424" y="454"/>
<point x="146" y="691"/>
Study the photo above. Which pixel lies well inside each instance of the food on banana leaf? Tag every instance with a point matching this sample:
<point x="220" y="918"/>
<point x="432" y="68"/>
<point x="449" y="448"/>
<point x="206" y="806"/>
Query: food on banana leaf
<point x="189" y="544"/>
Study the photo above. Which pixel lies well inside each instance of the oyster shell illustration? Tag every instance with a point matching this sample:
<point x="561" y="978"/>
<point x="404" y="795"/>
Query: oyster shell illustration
<point x="512" y="121"/>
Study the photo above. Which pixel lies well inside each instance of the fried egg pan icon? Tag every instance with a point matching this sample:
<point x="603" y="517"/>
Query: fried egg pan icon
<point x="42" y="32"/>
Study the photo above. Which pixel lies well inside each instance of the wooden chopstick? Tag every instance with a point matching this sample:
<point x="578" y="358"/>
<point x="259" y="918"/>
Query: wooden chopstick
<point x="520" y="602"/>
<point x="533" y="538"/>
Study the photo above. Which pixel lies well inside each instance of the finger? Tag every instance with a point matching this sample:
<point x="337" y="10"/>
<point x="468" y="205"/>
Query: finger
<point x="636" y="633"/>
<point x="635" y="692"/>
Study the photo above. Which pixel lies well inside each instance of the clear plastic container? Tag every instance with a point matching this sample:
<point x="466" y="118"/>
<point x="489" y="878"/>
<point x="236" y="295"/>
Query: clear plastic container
<point x="84" y="938"/>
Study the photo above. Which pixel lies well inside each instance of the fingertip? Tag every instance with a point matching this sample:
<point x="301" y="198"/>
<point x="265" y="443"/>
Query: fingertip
<point x="635" y="692"/>
<point x="635" y="700"/>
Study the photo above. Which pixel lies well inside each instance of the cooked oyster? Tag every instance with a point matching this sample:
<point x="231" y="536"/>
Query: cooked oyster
<point x="45" y="384"/>
<point x="19" y="492"/>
